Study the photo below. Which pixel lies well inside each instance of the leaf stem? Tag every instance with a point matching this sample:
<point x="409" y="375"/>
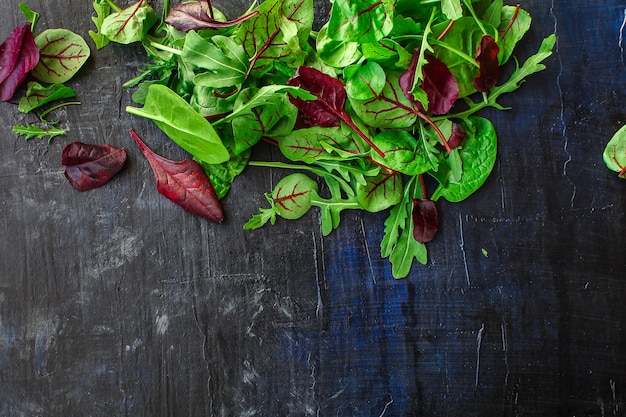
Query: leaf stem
<point x="162" y="47"/>
<point x="53" y="108"/>
<point x="113" y="6"/>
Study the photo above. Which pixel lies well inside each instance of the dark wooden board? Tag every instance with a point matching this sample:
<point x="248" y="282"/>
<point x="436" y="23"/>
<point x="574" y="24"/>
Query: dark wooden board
<point x="115" y="302"/>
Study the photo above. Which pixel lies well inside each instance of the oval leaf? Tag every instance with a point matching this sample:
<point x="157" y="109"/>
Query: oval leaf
<point x="91" y="166"/>
<point x="401" y="152"/>
<point x="18" y="56"/>
<point x="63" y="53"/>
<point x="615" y="153"/>
<point x="292" y="195"/>
<point x="131" y="24"/>
<point x="185" y="183"/>
<point x="362" y="21"/>
<point x="380" y="192"/>
<point x="425" y="220"/>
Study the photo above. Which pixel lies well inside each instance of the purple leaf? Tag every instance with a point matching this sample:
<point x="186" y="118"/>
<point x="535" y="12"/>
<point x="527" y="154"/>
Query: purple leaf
<point x="185" y="183"/>
<point x="18" y="56"/>
<point x="425" y="220"/>
<point x="438" y="83"/>
<point x="195" y="15"/>
<point x="487" y="58"/>
<point x="440" y="86"/>
<point x="91" y="166"/>
<point x="457" y="136"/>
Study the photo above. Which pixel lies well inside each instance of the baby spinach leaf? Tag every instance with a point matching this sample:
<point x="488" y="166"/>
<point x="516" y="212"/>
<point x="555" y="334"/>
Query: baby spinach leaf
<point x="360" y="21"/>
<point x="178" y="120"/>
<point x="38" y="95"/>
<point x="478" y="155"/>
<point x="130" y="24"/>
<point x="62" y="54"/>
<point x="614" y="155"/>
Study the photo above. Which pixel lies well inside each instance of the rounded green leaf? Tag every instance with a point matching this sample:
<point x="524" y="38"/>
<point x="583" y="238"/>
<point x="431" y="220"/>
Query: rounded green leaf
<point x="338" y="54"/>
<point x="62" y="54"/>
<point x="615" y="153"/>
<point x="401" y="152"/>
<point x="292" y="196"/>
<point x="367" y="82"/>
<point x="380" y="192"/>
<point x="131" y="24"/>
<point x="478" y="156"/>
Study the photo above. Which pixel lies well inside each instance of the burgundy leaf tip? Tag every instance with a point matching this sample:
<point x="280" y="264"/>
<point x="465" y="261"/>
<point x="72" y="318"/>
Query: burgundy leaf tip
<point x="487" y="59"/>
<point x="425" y="220"/>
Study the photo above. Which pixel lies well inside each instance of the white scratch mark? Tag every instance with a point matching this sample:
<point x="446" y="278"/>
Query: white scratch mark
<point x="367" y="250"/>
<point x="386" y="406"/>
<point x="320" y="303"/>
<point x="621" y="37"/>
<point x="506" y="353"/>
<point x="462" y="246"/>
<point x="162" y="324"/>
<point x="479" y="342"/>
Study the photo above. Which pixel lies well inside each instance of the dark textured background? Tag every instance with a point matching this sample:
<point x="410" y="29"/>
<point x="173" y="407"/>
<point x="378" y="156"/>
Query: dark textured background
<point x="115" y="302"/>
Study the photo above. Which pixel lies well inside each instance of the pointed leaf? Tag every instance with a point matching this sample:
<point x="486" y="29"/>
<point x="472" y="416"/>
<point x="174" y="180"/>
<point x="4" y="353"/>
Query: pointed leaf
<point x="197" y="15"/>
<point x="440" y="86"/>
<point x="185" y="183"/>
<point x="487" y="58"/>
<point x="91" y="166"/>
<point x="38" y="95"/>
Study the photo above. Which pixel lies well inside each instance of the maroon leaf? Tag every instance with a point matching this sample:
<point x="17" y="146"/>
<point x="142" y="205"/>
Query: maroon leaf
<point x="440" y="86"/>
<point x="185" y="183"/>
<point x="329" y="107"/>
<point x="438" y="83"/>
<point x="487" y="58"/>
<point x="195" y="15"/>
<point x="18" y="56"/>
<point x="425" y="220"/>
<point x="457" y="136"/>
<point x="91" y="166"/>
<point x="331" y="97"/>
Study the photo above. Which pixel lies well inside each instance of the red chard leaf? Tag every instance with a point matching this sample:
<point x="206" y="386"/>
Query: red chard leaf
<point x="91" y="166"/>
<point x="440" y="86"/>
<point x="185" y="183"/>
<point x="330" y="92"/>
<point x="425" y="220"/>
<point x="196" y="15"/>
<point x="487" y="58"/>
<point x="18" y="56"/>
<point x="457" y="136"/>
<point x="407" y="79"/>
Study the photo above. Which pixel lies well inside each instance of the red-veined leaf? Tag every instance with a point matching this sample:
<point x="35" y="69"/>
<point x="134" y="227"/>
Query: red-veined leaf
<point x="183" y="182"/>
<point x="196" y="15"/>
<point x="487" y="58"/>
<point x="440" y="86"/>
<point x="425" y="220"/>
<point x="380" y="192"/>
<point x="18" y="56"/>
<point x="63" y="53"/>
<point x="90" y="166"/>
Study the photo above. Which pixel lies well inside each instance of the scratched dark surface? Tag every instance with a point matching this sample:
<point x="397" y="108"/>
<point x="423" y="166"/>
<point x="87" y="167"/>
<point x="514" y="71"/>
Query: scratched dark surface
<point x="115" y="302"/>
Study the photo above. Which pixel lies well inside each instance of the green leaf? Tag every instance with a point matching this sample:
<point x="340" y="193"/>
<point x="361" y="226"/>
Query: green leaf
<point x="398" y="243"/>
<point x="452" y="9"/>
<point x="222" y="175"/>
<point x="292" y="195"/>
<point x="401" y="152"/>
<point x="338" y="54"/>
<point x="515" y="33"/>
<point x="380" y="192"/>
<point x="33" y="131"/>
<point x="615" y="153"/>
<point x="62" y="54"/>
<point x="102" y="9"/>
<point x="367" y="82"/>
<point x="265" y="41"/>
<point x="31" y="15"/>
<point x="360" y="21"/>
<point x="207" y="103"/>
<point x="38" y="95"/>
<point x="224" y="59"/>
<point x="181" y="123"/>
<point x="390" y="109"/>
<point x="478" y="156"/>
<point x="130" y="24"/>
<point x="317" y="143"/>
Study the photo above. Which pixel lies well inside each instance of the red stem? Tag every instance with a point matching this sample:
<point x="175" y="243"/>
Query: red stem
<point x="423" y="186"/>
<point x="446" y="30"/>
<point x="513" y="19"/>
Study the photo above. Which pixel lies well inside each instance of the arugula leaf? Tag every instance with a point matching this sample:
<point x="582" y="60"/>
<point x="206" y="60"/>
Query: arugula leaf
<point x="33" y="131"/>
<point x="102" y="9"/>
<point x="31" y="15"/>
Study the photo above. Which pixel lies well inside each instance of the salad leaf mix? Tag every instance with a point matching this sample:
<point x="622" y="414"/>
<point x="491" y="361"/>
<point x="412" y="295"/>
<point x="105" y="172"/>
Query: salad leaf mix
<point x="370" y="110"/>
<point x="377" y="110"/>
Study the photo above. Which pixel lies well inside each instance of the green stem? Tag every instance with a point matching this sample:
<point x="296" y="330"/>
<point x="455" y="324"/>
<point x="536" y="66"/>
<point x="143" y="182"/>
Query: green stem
<point x="158" y="45"/>
<point x="113" y="6"/>
<point x="468" y="4"/>
<point x="53" y="108"/>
